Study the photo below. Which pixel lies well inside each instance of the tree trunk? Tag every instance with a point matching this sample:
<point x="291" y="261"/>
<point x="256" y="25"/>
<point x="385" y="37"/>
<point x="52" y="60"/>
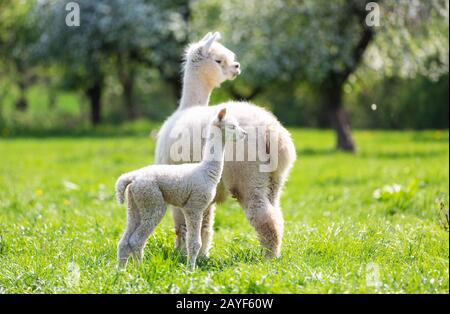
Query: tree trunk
<point x="332" y="86"/>
<point x="22" y="102"/>
<point x="339" y="119"/>
<point x="341" y="124"/>
<point x="95" y="94"/>
<point x="126" y="77"/>
<point x="51" y="93"/>
<point x="128" y="85"/>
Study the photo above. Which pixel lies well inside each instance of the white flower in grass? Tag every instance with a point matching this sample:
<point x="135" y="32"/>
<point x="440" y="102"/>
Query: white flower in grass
<point x="73" y="274"/>
<point x="387" y="190"/>
<point x="373" y="275"/>
<point x="70" y="185"/>
<point x="377" y="194"/>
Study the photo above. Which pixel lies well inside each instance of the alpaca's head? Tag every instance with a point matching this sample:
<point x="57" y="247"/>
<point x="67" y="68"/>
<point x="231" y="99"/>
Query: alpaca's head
<point x="229" y="126"/>
<point x="211" y="61"/>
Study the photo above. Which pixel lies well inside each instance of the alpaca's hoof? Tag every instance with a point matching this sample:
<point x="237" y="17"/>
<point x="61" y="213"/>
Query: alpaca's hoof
<point x="137" y="258"/>
<point x="122" y="264"/>
<point x="181" y="248"/>
<point x="270" y="254"/>
<point x="204" y="253"/>
<point x="190" y="268"/>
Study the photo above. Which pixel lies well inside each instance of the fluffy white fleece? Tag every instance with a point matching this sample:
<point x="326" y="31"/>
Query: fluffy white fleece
<point x="192" y="187"/>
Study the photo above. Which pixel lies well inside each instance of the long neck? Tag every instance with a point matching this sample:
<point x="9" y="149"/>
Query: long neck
<point x="213" y="156"/>
<point x="196" y="90"/>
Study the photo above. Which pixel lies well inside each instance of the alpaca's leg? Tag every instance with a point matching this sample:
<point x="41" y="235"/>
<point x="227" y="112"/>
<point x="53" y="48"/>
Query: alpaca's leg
<point x="150" y="201"/>
<point x="207" y="230"/>
<point x="180" y="229"/>
<point x="266" y="219"/>
<point x="193" y="236"/>
<point x="276" y="186"/>
<point x="133" y="221"/>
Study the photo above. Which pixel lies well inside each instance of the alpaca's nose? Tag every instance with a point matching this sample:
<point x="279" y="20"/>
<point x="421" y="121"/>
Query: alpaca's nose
<point x="237" y="68"/>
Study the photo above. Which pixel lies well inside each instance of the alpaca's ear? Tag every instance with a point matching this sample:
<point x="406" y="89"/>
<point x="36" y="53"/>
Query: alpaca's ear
<point x="206" y="37"/>
<point x="217" y="36"/>
<point x="221" y="114"/>
<point x="208" y="43"/>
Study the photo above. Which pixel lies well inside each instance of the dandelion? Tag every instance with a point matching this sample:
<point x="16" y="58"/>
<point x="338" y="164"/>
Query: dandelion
<point x="39" y="192"/>
<point x="66" y="202"/>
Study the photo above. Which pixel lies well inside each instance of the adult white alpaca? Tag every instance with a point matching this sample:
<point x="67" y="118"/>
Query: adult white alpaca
<point x="191" y="186"/>
<point x="207" y="65"/>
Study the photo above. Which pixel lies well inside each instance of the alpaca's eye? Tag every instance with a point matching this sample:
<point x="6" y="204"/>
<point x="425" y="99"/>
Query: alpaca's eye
<point x="219" y="61"/>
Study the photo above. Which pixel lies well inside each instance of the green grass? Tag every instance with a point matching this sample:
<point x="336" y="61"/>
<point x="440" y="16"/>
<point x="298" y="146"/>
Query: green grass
<point x="59" y="238"/>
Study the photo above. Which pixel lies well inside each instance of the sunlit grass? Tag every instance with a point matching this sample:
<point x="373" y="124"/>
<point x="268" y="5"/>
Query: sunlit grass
<point x="59" y="222"/>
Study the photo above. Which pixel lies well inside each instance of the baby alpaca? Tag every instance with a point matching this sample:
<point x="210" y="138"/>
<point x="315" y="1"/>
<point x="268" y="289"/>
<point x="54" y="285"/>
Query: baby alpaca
<point x="191" y="186"/>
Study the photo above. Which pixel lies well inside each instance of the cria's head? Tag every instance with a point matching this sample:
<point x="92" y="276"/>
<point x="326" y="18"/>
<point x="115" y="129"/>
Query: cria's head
<point x="229" y="126"/>
<point x="212" y="61"/>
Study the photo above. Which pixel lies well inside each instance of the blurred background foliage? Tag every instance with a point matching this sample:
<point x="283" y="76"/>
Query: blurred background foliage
<point x="313" y="63"/>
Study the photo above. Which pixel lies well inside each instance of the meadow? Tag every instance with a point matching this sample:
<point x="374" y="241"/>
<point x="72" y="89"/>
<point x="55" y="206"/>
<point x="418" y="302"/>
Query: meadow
<point x="364" y="223"/>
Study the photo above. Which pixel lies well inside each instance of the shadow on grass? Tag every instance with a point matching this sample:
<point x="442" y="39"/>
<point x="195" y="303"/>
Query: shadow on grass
<point x="316" y="151"/>
<point x="233" y="257"/>
<point x="403" y="154"/>
<point x="137" y="128"/>
<point x="437" y="136"/>
<point x="338" y="180"/>
<point x="372" y="154"/>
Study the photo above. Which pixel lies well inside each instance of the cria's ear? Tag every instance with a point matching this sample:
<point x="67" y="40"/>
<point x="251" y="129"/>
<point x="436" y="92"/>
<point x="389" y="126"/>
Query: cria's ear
<point x="221" y="114"/>
<point x="206" y="47"/>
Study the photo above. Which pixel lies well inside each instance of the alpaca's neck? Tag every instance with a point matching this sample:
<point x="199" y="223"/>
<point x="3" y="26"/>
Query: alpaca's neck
<point x="196" y="90"/>
<point x="212" y="163"/>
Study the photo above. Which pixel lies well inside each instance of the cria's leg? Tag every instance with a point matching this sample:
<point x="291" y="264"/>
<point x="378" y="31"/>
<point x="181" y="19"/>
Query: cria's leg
<point x="180" y="229"/>
<point x="150" y="202"/>
<point x="207" y="230"/>
<point x="193" y="236"/>
<point x="124" y="249"/>
<point x="266" y="219"/>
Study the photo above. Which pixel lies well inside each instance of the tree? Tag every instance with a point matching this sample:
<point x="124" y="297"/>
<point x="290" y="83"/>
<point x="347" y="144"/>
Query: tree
<point x="17" y="34"/>
<point x="112" y="34"/>
<point x="324" y="43"/>
<point x="167" y="56"/>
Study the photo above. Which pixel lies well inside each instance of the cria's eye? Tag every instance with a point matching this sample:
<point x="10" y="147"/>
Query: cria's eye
<point x="219" y="61"/>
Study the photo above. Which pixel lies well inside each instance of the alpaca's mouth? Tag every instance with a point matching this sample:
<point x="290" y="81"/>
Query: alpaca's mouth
<point x="235" y="74"/>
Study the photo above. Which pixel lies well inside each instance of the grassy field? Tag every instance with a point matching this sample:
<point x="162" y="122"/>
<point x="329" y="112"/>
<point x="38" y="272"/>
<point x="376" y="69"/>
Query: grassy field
<point x="59" y="222"/>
